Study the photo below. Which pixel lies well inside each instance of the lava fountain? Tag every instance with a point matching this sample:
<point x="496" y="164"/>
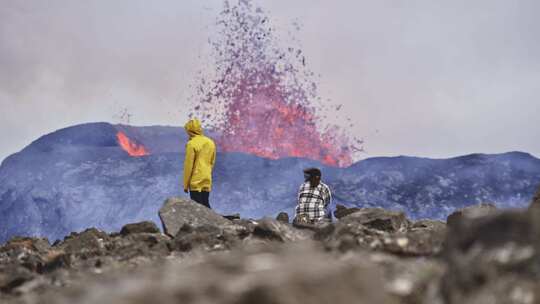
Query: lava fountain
<point x="131" y="147"/>
<point x="261" y="98"/>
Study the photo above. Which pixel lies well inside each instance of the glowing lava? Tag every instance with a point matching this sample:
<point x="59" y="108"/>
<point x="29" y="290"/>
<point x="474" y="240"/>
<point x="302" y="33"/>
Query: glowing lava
<point x="132" y="148"/>
<point x="262" y="99"/>
<point x="261" y="122"/>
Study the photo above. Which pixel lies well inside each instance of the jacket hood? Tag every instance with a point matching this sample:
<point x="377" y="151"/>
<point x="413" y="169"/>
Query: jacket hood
<point x="193" y="127"/>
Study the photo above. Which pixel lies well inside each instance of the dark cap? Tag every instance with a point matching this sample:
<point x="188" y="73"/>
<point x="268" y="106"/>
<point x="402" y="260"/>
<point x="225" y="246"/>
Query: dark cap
<point x="311" y="172"/>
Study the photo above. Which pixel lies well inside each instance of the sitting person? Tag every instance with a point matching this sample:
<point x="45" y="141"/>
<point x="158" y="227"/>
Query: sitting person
<point x="314" y="199"/>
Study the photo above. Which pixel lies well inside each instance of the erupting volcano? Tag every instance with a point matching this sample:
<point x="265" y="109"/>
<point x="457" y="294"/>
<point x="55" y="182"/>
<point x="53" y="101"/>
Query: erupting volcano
<point x="262" y="99"/>
<point x="132" y="148"/>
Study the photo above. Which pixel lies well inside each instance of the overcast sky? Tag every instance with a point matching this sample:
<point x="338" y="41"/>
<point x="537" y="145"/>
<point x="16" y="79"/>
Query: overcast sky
<point x="430" y="78"/>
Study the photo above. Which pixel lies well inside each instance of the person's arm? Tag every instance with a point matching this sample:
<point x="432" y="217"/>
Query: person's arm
<point x="188" y="165"/>
<point x="328" y="198"/>
<point x="327" y="205"/>
<point x="299" y="193"/>
<point x="297" y="208"/>
<point x="213" y="160"/>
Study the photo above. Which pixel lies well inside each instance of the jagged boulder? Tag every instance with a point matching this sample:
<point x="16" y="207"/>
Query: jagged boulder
<point x="32" y="253"/>
<point x="535" y="203"/>
<point x="40" y="245"/>
<point x="205" y="238"/>
<point x="470" y="213"/>
<point x="142" y="227"/>
<point x="342" y="211"/>
<point x="232" y="217"/>
<point x="12" y="276"/>
<point x="283" y="217"/>
<point x="434" y="225"/>
<point x="383" y="230"/>
<point x="141" y="244"/>
<point x="90" y="242"/>
<point x="418" y="240"/>
<point x="53" y="260"/>
<point x="536" y="198"/>
<point x="378" y="219"/>
<point x="427" y="237"/>
<point x="213" y="238"/>
<point x="177" y="212"/>
<point x="275" y="230"/>
<point x="248" y="225"/>
<point x="493" y="259"/>
<point x="412" y="281"/>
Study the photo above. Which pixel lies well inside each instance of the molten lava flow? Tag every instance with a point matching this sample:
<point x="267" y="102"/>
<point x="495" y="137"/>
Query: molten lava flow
<point x="262" y="100"/>
<point x="132" y="148"/>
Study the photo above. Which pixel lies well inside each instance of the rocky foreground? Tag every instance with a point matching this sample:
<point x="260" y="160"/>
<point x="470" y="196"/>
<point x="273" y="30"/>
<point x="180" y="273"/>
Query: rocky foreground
<point x="481" y="255"/>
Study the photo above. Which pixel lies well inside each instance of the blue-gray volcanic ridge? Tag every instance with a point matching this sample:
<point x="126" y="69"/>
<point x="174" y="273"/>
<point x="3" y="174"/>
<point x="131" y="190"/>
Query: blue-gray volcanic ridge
<point x="82" y="176"/>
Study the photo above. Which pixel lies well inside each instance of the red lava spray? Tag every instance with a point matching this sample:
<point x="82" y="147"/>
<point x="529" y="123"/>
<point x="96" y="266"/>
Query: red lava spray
<point x="262" y="98"/>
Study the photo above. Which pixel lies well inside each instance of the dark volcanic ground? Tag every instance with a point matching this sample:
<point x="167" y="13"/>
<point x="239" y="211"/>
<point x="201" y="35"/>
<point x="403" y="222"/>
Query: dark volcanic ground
<point x="79" y="177"/>
<point x="371" y="255"/>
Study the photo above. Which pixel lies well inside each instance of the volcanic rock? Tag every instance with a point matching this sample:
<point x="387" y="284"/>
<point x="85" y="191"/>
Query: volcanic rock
<point x="143" y="244"/>
<point x="342" y="211"/>
<point x="275" y="230"/>
<point x="378" y="219"/>
<point x="40" y="245"/>
<point x="300" y="274"/>
<point x="424" y="238"/>
<point x="205" y="238"/>
<point x="89" y="242"/>
<point x="303" y="223"/>
<point x="414" y="242"/>
<point x="177" y="212"/>
<point x="370" y="256"/>
<point x="493" y="259"/>
<point x="412" y="281"/>
<point x="469" y="213"/>
<point x="53" y="260"/>
<point x="378" y="229"/>
<point x="535" y="203"/>
<point x="283" y="217"/>
<point x="429" y="224"/>
<point x="142" y="227"/>
<point x="247" y="225"/>
<point x="25" y="251"/>
<point x="13" y="276"/>
<point x="232" y="217"/>
<point x="536" y="198"/>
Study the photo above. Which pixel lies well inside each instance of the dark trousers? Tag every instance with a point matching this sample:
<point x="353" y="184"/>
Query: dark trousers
<point x="200" y="197"/>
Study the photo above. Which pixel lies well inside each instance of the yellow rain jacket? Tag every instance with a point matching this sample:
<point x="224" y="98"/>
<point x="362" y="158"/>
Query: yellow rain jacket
<point x="200" y="158"/>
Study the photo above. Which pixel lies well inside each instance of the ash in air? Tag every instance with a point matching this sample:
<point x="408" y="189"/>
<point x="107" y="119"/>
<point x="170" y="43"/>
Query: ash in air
<point x="261" y="97"/>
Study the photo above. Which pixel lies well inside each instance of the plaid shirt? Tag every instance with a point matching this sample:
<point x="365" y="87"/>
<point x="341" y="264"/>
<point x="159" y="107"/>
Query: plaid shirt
<point x="313" y="201"/>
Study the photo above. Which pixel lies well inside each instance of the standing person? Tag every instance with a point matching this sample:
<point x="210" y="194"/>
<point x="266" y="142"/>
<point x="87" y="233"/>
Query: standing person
<point x="198" y="164"/>
<point x="314" y="198"/>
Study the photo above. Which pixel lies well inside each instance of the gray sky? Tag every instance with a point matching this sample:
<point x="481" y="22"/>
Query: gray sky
<point x="430" y="78"/>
